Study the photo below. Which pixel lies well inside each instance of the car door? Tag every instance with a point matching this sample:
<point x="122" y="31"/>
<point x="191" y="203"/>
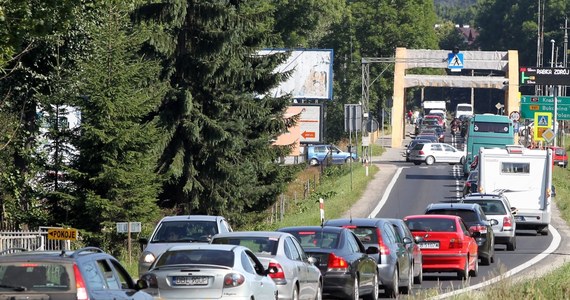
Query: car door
<point x="362" y="260"/>
<point x="397" y="245"/>
<point x="407" y="248"/>
<point x="263" y="286"/>
<point x="312" y="275"/>
<point x="450" y="154"/>
<point x="101" y="280"/>
<point x="126" y="283"/>
<point x="437" y="152"/>
<point x="299" y="267"/>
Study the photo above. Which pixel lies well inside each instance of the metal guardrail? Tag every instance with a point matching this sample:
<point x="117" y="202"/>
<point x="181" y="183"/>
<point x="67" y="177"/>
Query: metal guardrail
<point x="31" y="240"/>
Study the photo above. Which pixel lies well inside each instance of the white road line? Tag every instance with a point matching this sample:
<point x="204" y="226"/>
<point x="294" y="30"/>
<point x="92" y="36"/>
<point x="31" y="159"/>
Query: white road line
<point x="553" y="246"/>
<point x="386" y="194"/>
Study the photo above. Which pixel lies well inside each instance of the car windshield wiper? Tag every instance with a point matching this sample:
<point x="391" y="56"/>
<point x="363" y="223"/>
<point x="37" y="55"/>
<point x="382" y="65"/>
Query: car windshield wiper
<point x="17" y="288"/>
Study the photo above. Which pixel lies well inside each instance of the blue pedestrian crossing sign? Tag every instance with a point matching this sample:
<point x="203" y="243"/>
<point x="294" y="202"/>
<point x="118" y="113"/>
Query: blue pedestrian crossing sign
<point x="543" y="121"/>
<point x="455" y="62"/>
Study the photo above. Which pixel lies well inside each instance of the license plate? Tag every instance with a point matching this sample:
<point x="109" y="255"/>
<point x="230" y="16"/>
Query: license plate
<point x="190" y="280"/>
<point x="429" y="245"/>
<point x="519" y="218"/>
<point x="561" y="163"/>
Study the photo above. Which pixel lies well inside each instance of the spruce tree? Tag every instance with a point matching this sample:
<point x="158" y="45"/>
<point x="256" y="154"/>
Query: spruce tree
<point x="217" y="157"/>
<point x="114" y="167"/>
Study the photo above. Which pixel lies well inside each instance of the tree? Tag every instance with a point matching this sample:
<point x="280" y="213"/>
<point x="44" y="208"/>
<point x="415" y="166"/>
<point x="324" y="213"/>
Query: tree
<point x="216" y="154"/>
<point x="114" y="167"/>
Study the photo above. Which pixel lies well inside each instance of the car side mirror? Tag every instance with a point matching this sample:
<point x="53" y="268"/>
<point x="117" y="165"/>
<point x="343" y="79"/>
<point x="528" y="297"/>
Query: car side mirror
<point x="143" y="242"/>
<point x="418" y="239"/>
<point x="514" y="210"/>
<point x="407" y="241"/>
<point x="493" y="222"/>
<point x="141" y="285"/>
<point x="313" y="260"/>
<point x="372" y="250"/>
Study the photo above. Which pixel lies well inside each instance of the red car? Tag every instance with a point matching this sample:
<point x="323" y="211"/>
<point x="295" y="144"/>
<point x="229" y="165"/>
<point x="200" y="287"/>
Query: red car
<point x="559" y="156"/>
<point x="440" y="120"/>
<point x="447" y="245"/>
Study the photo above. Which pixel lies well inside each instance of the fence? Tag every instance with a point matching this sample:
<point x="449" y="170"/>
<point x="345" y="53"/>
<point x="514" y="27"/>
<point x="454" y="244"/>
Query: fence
<point x="31" y="240"/>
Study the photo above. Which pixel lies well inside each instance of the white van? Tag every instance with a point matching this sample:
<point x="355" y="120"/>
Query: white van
<point x="463" y="109"/>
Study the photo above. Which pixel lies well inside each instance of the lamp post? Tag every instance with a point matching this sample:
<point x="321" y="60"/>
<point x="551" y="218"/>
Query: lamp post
<point x="552" y="54"/>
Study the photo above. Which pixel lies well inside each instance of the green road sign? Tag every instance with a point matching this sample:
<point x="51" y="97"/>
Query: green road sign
<point x="541" y="104"/>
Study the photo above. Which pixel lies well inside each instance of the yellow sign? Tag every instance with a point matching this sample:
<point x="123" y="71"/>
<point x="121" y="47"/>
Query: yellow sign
<point x="62" y="234"/>
<point x="542" y="122"/>
<point x="534" y="107"/>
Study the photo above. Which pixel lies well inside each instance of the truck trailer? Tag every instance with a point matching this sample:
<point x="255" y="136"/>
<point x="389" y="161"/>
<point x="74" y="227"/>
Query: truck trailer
<point x="524" y="176"/>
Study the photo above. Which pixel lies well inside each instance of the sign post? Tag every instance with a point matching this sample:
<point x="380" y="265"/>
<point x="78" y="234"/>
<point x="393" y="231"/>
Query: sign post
<point x="128" y="227"/>
<point x="542" y="122"/>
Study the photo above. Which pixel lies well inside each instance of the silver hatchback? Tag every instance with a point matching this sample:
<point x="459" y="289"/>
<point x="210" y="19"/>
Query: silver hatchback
<point x="497" y="207"/>
<point x="295" y="274"/>
<point x="431" y="153"/>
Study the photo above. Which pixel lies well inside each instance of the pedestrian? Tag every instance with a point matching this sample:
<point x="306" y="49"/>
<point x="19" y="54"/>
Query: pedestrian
<point x="410" y="113"/>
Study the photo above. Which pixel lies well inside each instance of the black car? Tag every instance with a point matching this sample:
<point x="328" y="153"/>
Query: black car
<point x="474" y="217"/>
<point x="470" y="185"/>
<point x="86" y="273"/>
<point x="348" y="269"/>
<point x="395" y="271"/>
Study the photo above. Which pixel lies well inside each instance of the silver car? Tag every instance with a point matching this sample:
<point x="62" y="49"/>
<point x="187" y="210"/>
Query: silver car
<point x="431" y="153"/>
<point x="295" y="274"/>
<point x="414" y="252"/>
<point x="205" y="271"/>
<point x="497" y="207"/>
<point x="174" y="230"/>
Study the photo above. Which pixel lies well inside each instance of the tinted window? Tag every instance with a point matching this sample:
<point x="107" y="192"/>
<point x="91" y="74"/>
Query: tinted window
<point x="184" y="231"/>
<point x="124" y="278"/>
<point x="419" y="147"/>
<point x="352" y="243"/>
<point x="110" y="279"/>
<point x="317" y="239"/>
<point x="256" y="244"/>
<point x="247" y="263"/>
<point x="92" y="276"/>
<point x="491" y="127"/>
<point x="35" y="276"/>
<point x="490" y="207"/>
<point x="299" y="249"/>
<point x="197" y="256"/>
<point x="388" y="234"/>
<point x="431" y="224"/>
<point x="466" y="215"/>
<point x="366" y="235"/>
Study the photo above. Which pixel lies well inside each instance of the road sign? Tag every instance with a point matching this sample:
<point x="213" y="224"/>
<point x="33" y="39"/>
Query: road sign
<point x="62" y="234"/>
<point x="455" y="61"/>
<point x="548" y="135"/>
<point x="499" y="105"/>
<point x="553" y="76"/>
<point x="542" y="122"/>
<point x="515" y="116"/>
<point x="311" y="122"/>
<point x="123" y="227"/>
<point x="352" y="117"/>
<point x="533" y="104"/>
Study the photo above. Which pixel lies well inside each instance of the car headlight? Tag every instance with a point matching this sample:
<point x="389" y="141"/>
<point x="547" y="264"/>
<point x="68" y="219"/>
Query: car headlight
<point x="148" y="258"/>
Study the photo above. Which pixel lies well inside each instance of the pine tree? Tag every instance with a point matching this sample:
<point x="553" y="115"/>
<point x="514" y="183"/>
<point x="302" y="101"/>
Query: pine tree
<point x="216" y="155"/>
<point x="114" y="167"/>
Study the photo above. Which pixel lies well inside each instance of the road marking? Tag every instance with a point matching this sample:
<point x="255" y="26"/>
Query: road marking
<point x="386" y="194"/>
<point x="553" y="246"/>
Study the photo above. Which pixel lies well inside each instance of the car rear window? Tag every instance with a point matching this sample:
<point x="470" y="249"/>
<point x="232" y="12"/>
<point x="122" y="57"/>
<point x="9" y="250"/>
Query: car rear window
<point x="184" y="231"/>
<point x="419" y="146"/>
<point x="317" y="239"/>
<point x="560" y="151"/>
<point x="466" y="215"/>
<point x="40" y="277"/>
<point x="490" y="207"/>
<point x="197" y="256"/>
<point x="431" y="224"/>
<point x="366" y="235"/>
<point x="259" y="245"/>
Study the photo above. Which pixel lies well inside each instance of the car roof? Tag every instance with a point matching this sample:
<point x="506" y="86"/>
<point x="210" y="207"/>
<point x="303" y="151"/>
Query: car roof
<point x="197" y="246"/>
<point x="313" y="228"/>
<point x="434" y="216"/>
<point x="355" y="222"/>
<point x="452" y="206"/>
<point x="479" y="196"/>
<point x="268" y="234"/>
<point x="50" y="254"/>
<point x="191" y="218"/>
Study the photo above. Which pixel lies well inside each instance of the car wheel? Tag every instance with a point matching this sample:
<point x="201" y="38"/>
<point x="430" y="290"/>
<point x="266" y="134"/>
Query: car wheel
<point x="475" y="270"/>
<point x="393" y="291"/>
<point x="295" y="293"/>
<point x="408" y="288"/>
<point x="420" y="278"/>
<point x="417" y="163"/>
<point x="319" y="295"/>
<point x="314" y="162"/>
<point x="462" y="160"/>
<point x="543" y="230"/>
<point x="512" y="244"/>
<point x="464" y="274"/>
<point x="348" y="160"/>
<point x="430" y="160"/>
<point x="355" y="290"/>
<point x="485" y="261"/>
<point x="374" y="294"/>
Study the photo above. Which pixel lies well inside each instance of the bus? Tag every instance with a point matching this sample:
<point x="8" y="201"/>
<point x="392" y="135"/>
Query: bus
<point x="488" y="131"/>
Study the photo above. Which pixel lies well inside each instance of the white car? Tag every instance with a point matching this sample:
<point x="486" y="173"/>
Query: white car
<point x="497" y="207"/>
<point x="431" y="153"/>
<point x="206" y="271"/>
<point x="295" y="274"/>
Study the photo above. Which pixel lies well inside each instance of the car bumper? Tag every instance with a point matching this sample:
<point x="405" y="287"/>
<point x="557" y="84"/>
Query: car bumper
<point x="443" y="261"/>
<point x="338" y="284"/>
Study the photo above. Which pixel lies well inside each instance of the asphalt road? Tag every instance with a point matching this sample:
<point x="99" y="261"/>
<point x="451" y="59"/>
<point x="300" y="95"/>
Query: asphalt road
<point x="416" y="187"/>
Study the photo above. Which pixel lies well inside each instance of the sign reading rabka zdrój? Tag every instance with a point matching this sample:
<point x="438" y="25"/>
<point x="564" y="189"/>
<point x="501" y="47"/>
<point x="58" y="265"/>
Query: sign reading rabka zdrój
<point x="62" y="234"/>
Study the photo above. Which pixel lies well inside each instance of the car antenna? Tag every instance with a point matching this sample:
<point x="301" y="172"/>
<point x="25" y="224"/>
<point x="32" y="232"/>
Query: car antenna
<point x="350" y="214"/>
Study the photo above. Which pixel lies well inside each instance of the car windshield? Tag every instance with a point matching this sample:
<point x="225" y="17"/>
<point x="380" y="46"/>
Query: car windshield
<point x="560" y="151"/>
<point x="184" y="231"/>
<point x="259" y="245"/>
<point x="490" y="207"/>
<point x="431" y="224"/>
<point x="197" y="256"/>
<point x="468" y="216"/>
<point x="317" y="239"/>
<point x="31" y="276"/>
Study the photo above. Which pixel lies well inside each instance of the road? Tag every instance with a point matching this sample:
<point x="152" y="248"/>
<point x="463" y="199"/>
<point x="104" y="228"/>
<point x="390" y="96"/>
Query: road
<point x="417" y="186"/>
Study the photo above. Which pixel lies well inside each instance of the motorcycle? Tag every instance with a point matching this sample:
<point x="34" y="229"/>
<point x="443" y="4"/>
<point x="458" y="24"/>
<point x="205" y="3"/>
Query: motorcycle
<point x="454" y="129"/>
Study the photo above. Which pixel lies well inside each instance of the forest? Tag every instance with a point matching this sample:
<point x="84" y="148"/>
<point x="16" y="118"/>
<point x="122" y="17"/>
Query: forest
<point x="166" y="92"/>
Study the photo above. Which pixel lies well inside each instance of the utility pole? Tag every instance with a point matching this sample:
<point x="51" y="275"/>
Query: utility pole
<point x="538" y="89"/>
<point x="565" y="63"/>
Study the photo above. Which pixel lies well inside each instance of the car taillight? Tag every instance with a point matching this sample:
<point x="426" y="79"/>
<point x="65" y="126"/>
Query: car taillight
<point x="337" y="263"/>
<point x="507" y="224"/>
<point x="276" y="272"/>
<point x="479" y="228"/>
<point x="455" y="244"/>
<point x="421" y="152"/>
<point x="382" y="248"/>
<point x="233" y="280"/>
<point x="80" y="284"/>
<point x="468" y="184"/>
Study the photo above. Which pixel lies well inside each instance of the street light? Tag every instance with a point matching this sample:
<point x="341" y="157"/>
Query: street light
<point x="552" y="54"/>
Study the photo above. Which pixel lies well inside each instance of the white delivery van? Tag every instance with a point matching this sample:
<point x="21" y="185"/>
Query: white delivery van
<point x="463" y="109"/>
<point x="429" y="105"/>
<point x="524" y="176"/>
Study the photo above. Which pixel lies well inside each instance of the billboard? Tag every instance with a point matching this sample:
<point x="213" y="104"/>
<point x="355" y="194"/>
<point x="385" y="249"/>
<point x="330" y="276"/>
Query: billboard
<point x="311" y="77"/>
